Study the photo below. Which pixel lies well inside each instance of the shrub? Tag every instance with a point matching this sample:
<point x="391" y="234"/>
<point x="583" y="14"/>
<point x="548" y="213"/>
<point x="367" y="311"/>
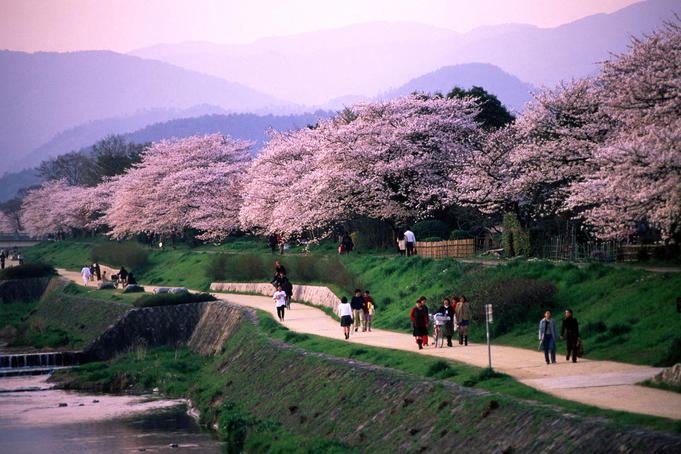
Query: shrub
<point x="239" y="268"/>
<point x="431" y="228"/>
<point x="172" y="299"/>
<point x="432" y="239"/>
<point x="28" y="270"/>
<point x="440" y="369"/>
<point x="514" y="301"/>
<point x="673" y="354"/>
<point x="130" y="255"/>
<point x="459" y="235"/>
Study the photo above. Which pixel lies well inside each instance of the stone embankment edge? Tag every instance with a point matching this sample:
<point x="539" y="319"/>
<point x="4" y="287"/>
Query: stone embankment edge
<point x="314" y="294"/>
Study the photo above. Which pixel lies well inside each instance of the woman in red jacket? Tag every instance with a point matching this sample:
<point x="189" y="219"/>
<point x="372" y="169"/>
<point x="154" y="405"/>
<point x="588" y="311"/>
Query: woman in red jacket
<point x="419" y="320"/>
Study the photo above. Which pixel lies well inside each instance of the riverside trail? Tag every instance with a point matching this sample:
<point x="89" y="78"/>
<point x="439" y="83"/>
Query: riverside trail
<point x="604" y="384"/>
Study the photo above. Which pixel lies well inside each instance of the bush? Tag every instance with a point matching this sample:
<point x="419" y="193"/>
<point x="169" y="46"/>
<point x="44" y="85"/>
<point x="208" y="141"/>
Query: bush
<point x="514" y="301"/>
<point x="432" y="239"/>
<point x="430" y="228"/>
<point x="28" y="270"/>
<point x="239" y="268"/>
<point x="459" y="235"/>
<point x="172" y="299"/>
<point x="673" y="354"/>
<point x="130" y="255"/>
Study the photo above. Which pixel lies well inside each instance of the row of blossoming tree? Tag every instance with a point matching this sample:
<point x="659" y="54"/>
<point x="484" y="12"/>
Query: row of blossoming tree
<point x="605" y="150"/>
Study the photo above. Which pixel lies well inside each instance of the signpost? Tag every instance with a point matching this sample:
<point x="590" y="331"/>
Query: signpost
<point x="488" y="320"/>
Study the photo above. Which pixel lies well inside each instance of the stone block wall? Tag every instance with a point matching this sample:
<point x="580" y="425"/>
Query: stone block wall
<point x="24" y="290"/>
<point x="314" y="294"/>
<point x="203" y="327"/>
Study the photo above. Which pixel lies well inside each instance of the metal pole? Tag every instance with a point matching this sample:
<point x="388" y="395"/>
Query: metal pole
<point x="488" y="310"/>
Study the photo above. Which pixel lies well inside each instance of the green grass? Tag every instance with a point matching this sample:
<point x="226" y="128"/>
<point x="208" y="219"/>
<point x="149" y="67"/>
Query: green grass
<point x="625" y="314"/>
<point x="109" y="294"/>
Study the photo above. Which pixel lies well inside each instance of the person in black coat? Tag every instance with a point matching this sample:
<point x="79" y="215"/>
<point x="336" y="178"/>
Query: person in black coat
<point x="419" y="320"/>
<point x="448" y="310"/>
<point x="570" y="329"/>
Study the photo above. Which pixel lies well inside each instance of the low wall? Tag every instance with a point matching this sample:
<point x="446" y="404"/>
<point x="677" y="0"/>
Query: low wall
<point x="24" y="290"/>
<point x="315" y="294"/>
<point x="203" y="327"/>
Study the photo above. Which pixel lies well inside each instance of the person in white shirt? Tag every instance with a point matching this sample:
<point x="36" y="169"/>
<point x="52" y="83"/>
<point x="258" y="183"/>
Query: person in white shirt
<point x="345" y="314"/>
<point x="411" y="239"/>
<point x="85" y="272"/>
<point x="280" y="300"/>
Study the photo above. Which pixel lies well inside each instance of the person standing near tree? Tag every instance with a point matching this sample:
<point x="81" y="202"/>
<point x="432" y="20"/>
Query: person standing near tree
<point x="2" y="259"/>
<point x="402" y="245"/>
<point x="547" y="337"/>
<point x="570" y="329"/>
<point x="419" y="320"/>
<point x="463" y="318"/>
<point x="410" y="238"/>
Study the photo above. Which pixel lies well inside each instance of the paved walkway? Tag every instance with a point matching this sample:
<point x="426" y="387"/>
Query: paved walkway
<point x="605" y="384"/>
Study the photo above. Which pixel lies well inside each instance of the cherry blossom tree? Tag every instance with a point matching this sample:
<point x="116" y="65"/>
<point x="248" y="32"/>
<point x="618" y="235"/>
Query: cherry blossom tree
<point x="55" y="207"/>
<point x="637" y="173"/>
<point x="192" y="182"/>
<point x="393" y="161"/>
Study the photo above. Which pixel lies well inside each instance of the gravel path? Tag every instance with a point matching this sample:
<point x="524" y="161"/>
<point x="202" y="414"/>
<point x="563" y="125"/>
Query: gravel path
<point x="605" y="384"/>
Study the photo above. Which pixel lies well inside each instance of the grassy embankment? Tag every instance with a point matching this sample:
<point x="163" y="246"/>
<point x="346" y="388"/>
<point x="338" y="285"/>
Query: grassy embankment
<point x="625" y="315"/>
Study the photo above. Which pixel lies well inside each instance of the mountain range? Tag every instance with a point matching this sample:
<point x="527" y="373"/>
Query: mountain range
<point x="54" y="103"/>
<point x="366" y="59"/>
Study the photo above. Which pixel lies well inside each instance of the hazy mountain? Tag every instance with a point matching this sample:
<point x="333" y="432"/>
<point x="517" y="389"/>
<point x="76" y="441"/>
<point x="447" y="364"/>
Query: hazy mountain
<point x="73" y="139"/>
<point x="511" y="91"/>
<point x="10" y="183"/>
<point x="243" y="126"/>
<point x="367" y="59"/>
<point x="45" y="93"/>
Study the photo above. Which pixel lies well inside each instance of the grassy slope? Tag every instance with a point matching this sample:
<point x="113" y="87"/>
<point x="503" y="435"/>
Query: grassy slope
<point x="625" y="315"/>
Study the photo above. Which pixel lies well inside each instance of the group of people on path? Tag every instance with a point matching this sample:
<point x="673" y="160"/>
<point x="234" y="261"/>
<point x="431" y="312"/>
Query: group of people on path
<point x="569" y="330"/>
<point x="454" y="315"/>
<point x="5" y="255"/>
<point x="358" y="312"/>
<point x="94" y="273"/>
<point x="283" y="290"/>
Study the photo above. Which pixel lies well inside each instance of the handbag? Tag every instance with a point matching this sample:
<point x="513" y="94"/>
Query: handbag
<point x="579" y="347"/>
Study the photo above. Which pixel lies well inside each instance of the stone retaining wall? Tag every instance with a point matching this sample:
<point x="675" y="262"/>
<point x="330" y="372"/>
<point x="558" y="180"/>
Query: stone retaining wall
<point x="314" y="294"/>
<point x="203" y="327"/>
<point x="24" y="290"/>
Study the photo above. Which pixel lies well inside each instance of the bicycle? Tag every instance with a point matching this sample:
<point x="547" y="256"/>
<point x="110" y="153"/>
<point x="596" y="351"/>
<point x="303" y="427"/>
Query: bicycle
<point x="439" y="321"/>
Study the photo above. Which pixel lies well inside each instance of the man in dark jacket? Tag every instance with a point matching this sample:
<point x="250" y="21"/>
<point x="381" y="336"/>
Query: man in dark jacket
<point x="357" y="304"/>
<point x="570" y="329"/>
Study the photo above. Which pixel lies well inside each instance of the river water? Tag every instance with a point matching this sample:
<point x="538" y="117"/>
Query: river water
<point x="36" y="419"/>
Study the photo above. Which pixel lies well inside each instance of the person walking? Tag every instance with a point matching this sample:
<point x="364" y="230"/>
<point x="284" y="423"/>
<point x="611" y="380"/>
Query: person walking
<point x="369" y="309"/>
<point x="570" y="329"/>
<point x="402" y="245"/>
<point x="547" y="337"/>
<point x="419" y="320"/>
<point x="463" y="318"/>
<point x="410" y="238"/>
<point x="357" y="304"/>
<point x="447" y="310"/>
<point x="98" y="271"/>
<point x="2" y="259"/>
<point x="345" y="314"/>
<point x="85" y="273"/>
<point x="423" y="303"/>
<point x="287" y="287"/>
<point x="280" y="301"/>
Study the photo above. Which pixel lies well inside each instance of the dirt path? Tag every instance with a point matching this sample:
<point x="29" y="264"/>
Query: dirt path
<point x="605" y="384"/>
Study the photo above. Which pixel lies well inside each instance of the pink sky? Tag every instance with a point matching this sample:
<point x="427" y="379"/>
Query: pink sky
<point x="124" y="25"/>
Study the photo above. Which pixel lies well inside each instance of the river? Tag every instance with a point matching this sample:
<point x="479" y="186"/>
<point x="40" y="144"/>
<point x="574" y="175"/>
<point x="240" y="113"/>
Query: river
<point x="37" y="419"/>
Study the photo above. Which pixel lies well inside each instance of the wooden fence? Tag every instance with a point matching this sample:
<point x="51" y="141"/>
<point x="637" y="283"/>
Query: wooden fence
<point x="441" y="249"/>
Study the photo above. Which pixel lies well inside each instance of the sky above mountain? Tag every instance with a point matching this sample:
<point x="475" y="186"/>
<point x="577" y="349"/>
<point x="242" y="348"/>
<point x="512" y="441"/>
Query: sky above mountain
<point x="125" y="25"/>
